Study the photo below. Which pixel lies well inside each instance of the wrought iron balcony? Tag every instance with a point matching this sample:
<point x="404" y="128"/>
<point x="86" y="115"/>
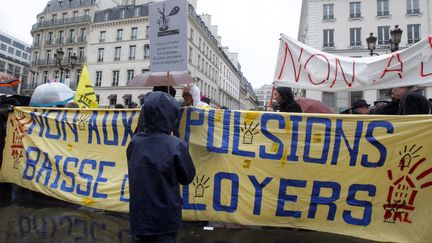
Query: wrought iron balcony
<point x="58" y="22"/>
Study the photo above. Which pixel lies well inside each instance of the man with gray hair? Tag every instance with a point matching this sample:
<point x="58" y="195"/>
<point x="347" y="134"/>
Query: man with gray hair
<point x="411" y="101"/>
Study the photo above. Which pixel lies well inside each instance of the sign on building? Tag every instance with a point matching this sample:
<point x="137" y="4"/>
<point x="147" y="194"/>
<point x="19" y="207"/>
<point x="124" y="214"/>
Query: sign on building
<point x="168" y="35"/>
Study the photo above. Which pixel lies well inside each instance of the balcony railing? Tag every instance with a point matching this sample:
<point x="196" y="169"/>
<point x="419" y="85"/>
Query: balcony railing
<point x="66" y="21"/>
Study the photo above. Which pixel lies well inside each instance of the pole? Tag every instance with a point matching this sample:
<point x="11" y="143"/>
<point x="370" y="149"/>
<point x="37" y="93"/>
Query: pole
<point x="61" y="74"/>
<point x="168" y="82"/>
<point x="271" y="98"/>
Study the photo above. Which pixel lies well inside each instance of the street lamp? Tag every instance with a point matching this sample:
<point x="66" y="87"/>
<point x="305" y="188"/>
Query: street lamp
<point x="396" y="36"/>
<point x="371" y="43"/>
<point x="58" y="62"/>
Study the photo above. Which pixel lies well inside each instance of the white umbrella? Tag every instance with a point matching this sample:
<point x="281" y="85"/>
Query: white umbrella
<point x="51" y="94"/>
<point x="151" y="79"/>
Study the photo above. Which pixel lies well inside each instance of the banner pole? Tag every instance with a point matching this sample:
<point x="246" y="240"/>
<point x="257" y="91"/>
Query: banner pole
<point x="271" y="98"/>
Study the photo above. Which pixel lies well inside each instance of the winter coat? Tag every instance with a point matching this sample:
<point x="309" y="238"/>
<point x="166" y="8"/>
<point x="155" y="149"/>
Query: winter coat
<point x="157" y="163"/>
<point x="414" y="103"/>
<point x="289" y="104"/>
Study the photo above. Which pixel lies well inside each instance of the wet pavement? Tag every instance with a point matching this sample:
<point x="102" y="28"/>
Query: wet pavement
<point x="33" y="217"/>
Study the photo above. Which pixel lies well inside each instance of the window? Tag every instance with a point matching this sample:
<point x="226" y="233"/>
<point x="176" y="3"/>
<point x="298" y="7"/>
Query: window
<point x="382" y="8"/>
<point x="355" y="10"/>
<point x="81" y="54"/>
<point x="383" y="35"/>
<point x="64" y="17"/>
<point x="190" y="54"/>
<point x="117" y="53"/>
<point x="146" y="51"/>
<point x="119" y="34"/>
<point x="102" y="36"/>
<point x="98" y="78"/>
<point x="134" y="33"/>
<point x="75" y="15"/>
<point x="87" y="12"/>
<point x="71" y="38"/>
<point x="50" y="38"/>
<point x="328" y="11"/>
<point x="191" y="37"/>
<point x="115" y="79"/>
<point x="328" y="40"/>
<point x="356" y="95"/>
<point x="147" y="31"/>
<point x="130" y="74"/>
<point x="413" y="33"/>
<point x="122" y="14"/>
<point x="413" y="7"/>
<point x="83" y="34"/>
<point x="11" y="50"/>
<point x="355" y="37"/>
<point x="60" y="37"/>
<point x="3" y="47"/>
<point x="48" y="54"/>
<point x="45" y="76"/>
<point x="100" y="54"/>
<point x="137" y="12"/>
<point x="107" y="15"/>
<point x="329" y="99"/>
<point x="132" y="50"/>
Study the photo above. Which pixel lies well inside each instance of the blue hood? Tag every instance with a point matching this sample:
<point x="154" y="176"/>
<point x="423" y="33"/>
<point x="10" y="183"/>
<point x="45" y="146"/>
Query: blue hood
<point x="161" y="113"/>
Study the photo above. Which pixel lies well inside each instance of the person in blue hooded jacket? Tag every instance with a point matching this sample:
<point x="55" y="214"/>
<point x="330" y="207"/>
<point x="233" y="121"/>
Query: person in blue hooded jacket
<point x="157" y="163"/>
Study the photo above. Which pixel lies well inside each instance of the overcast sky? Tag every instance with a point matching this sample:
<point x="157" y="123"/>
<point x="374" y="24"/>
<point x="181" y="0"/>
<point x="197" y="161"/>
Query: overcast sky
<point x="250" y="28"/>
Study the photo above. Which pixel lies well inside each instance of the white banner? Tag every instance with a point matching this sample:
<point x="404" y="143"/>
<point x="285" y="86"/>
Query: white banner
<point x="300" y="66"/>
<point x="168" y="35"/>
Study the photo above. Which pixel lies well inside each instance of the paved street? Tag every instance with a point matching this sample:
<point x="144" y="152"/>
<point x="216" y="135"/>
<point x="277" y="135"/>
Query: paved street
<point x="32" y="217"/>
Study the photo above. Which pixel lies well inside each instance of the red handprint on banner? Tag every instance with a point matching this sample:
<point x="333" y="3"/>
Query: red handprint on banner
<point x="17" y="148"/>
<point x="404" y="188"/>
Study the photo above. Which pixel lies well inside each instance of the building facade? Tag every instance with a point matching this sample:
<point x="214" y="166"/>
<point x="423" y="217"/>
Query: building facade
<point x="114" y="42"/>
<point x="14" y="58"/>
<point x="341" y="27"/>
<point x="62" y="25"/>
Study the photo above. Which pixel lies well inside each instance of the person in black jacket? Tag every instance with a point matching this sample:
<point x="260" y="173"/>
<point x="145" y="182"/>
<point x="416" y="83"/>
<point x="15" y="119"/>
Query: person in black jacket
<point x="285" y="98"/>
<point x="411" y="101"/>
<point x="157" y="163"/>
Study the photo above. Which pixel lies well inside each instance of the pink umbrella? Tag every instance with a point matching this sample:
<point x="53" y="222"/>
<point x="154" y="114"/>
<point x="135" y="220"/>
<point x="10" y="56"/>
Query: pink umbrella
<point x="313" y="106"/>
<point x="151" y="79"/>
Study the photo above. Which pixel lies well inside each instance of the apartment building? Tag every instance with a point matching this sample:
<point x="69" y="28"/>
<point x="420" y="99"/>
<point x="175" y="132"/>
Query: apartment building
<point x="14" y="58"/>
<point x="112" y="37"/>
<point x="341" y="27"/>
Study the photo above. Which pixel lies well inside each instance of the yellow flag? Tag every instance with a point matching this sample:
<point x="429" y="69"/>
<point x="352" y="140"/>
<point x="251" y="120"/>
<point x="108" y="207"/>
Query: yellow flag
<point x="84" y="95"/>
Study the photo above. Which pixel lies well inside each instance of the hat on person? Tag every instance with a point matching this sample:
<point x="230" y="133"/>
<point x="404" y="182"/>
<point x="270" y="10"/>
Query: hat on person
<point x="360" y="103"/>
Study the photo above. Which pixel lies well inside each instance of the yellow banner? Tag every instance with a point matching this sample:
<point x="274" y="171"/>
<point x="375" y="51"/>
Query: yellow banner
<point x="364" y="176"/>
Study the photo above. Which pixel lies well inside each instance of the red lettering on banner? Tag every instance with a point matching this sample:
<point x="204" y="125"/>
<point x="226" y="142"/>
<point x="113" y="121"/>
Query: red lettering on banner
<point x="422" y="74"/>
<point x="296" y="74"/>
<point x="387" y="69"/>
<point x="422" y="71"/>
<point x="338" y="64"/>
<point x="328" y="69"/>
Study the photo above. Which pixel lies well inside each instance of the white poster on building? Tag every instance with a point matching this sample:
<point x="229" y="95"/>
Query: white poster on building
<point x="168" y="35"/>
<point x="301" y="66"/>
